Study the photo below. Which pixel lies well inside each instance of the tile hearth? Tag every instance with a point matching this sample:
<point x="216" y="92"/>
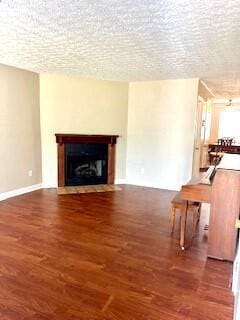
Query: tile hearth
<point x="88" y="189"/>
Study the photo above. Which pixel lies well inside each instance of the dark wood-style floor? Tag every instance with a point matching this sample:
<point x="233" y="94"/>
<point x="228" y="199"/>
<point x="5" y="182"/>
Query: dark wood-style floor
<point x="105" y="256"/>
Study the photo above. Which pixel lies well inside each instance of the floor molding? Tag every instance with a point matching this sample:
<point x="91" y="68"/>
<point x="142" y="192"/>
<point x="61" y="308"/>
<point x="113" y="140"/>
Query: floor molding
<point x="49" y="185"/>
<point x="152" y="185"/>
<point x="18" y="192"/>
<point x="120" y="181"/>
<point x="54" y="185"/>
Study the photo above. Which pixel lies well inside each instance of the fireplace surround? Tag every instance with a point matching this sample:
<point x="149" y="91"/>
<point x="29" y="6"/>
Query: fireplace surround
<point x="85" y="159"/>
<point x="86" y="163"/>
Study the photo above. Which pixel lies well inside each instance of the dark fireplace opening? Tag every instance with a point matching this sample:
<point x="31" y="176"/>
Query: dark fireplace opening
<point x="86" y="164"/>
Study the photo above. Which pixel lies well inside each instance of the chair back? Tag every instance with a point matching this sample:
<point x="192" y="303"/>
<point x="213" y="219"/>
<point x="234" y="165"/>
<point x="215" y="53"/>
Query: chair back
<point x="227" y="141"/>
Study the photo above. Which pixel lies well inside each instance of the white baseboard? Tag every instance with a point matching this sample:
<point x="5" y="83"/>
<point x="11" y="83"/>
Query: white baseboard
<point x="18" y="192"/>
<point x="49" y="186"/>
<point x="152" y="185"/>
<point x="120" y="181"/>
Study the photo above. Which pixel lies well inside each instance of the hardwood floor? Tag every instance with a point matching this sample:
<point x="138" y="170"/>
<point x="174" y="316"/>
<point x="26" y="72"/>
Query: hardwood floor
<point x="105" y="256"/>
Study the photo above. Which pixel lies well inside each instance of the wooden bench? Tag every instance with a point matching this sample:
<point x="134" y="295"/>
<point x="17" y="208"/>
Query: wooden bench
<point x="193" y="207"/>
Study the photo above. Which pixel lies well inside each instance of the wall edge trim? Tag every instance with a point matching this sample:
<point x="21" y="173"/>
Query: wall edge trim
<point x="20" y="191"/>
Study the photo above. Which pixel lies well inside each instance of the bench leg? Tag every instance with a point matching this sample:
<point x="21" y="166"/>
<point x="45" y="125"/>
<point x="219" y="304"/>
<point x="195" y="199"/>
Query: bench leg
<point x="195" y="222"/>
<point x="199" y="211"/>
<point x="183" y="224"/>
<point x="173" y="214"/>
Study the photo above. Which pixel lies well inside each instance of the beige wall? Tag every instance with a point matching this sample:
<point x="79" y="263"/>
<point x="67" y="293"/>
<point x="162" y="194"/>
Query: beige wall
<point x="73" y="105"/>
<point x="216" y="109"/>
<point x="20" y="144"/>
<point x="161" y="119"/>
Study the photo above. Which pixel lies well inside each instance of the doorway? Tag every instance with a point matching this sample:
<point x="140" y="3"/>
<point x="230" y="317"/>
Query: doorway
<point x="202" y="134"/>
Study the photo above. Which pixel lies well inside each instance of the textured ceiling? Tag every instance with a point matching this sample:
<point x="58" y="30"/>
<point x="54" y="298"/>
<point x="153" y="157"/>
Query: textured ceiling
<point x="122" y="39"/>
<point x="228" y="87"/>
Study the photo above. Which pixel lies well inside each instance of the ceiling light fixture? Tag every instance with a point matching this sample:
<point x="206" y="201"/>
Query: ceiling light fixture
<point x="233" y="105"/>
<point x="229" y="104"/>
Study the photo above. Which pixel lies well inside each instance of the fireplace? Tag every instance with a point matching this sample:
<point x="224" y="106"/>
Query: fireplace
<point x="85" y="159"/>
<point x="86" y="164"/>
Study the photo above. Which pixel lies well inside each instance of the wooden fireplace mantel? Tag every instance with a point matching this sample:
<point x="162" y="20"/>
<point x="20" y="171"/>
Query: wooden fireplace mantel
<point x="85" y="138"/>
<point x="64" y="138"/>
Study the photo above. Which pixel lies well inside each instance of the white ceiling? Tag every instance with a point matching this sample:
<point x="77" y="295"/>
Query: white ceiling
<point x="228" y="87"/>
<point x="122" y="39"/>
